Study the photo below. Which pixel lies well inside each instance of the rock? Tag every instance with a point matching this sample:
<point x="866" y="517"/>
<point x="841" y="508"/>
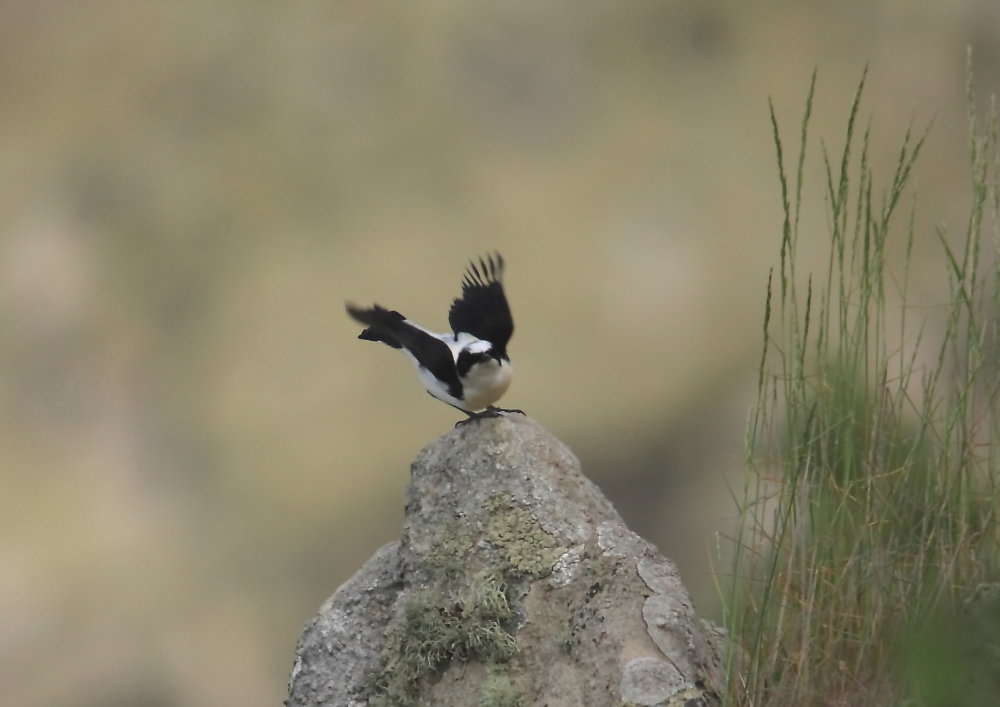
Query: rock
<point x="515" y="582"/>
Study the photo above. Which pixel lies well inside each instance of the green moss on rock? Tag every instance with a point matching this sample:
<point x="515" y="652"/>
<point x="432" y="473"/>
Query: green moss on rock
<point x="499" y="691"/>
<point x="458" y="617"/>
<point x="437" y="629"/>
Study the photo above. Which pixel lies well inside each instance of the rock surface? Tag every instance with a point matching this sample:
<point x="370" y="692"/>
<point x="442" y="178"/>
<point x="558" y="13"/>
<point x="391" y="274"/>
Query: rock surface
<point x="515" y="582"/>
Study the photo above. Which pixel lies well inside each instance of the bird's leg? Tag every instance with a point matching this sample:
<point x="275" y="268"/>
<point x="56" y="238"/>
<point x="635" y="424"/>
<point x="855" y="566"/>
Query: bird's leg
<point x="487" y="413"/>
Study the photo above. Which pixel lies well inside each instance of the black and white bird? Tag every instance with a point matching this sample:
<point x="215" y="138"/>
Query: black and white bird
<point x="469" y="369"/>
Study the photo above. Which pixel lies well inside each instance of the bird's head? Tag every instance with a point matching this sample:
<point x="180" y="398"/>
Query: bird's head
<point x="479" y="351"/>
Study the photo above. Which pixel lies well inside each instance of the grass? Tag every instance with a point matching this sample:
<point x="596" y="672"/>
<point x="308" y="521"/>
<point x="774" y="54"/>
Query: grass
<point x="867" y="556"/>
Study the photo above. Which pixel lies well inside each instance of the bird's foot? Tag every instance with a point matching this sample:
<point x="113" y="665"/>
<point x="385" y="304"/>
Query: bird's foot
<point x="487" y="413"/>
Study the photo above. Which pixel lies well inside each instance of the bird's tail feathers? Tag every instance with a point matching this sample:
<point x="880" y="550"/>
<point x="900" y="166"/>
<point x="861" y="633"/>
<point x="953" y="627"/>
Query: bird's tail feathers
<point x="381" y="324"/>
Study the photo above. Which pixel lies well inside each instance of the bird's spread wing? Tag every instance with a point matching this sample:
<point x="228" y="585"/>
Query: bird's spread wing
<point x="392" y="328"/>
<point x="482" y="310"/>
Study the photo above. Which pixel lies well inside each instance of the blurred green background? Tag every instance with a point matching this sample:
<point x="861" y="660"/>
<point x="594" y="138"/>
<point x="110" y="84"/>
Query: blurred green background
<point x="195" y="450"/>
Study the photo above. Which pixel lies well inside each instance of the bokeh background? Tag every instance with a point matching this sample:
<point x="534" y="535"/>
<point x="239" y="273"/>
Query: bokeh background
<point x="195" y="450"/>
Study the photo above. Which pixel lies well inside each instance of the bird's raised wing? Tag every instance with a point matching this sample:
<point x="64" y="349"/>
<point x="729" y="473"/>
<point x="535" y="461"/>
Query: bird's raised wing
<point x="482" y="310"/>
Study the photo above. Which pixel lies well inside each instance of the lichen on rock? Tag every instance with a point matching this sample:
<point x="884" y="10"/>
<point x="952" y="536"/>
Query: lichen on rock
<point x="526" y="548"/>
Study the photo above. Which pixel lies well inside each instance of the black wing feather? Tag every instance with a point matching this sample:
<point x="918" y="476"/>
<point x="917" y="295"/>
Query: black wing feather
<point x="482" y="310"/>
<point x="391" y="327"/>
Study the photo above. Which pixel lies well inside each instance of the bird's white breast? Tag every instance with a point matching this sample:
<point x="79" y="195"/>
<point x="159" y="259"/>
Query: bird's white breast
<point x="485" y="383"/>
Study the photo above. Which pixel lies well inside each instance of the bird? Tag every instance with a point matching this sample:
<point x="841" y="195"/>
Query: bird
<point x="469" y="368"/>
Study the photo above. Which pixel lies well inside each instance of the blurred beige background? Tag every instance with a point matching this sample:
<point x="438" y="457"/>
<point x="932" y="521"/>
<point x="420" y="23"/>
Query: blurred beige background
<point x="195" y="450"/>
